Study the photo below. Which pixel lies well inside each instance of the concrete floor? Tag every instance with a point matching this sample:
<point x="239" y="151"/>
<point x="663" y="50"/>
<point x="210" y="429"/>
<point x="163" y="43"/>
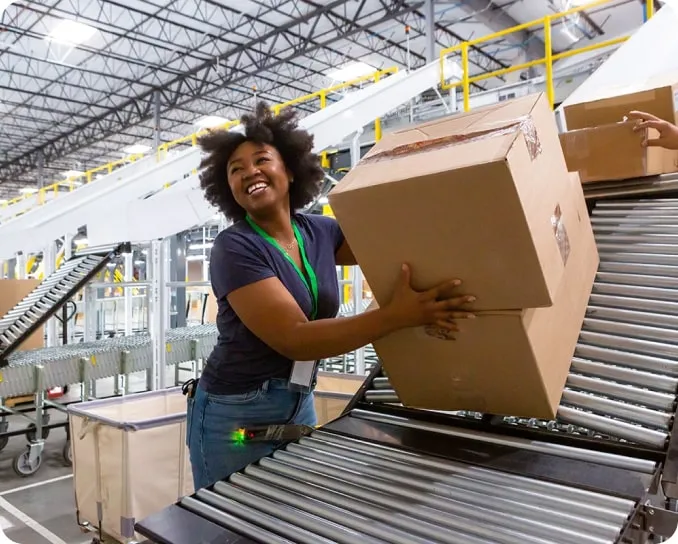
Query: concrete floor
<point x="40" y="509"/>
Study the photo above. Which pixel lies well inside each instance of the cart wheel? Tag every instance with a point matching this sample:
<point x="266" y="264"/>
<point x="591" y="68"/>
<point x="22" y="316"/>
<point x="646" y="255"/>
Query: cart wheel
<point x="68" y="454"/>
<point x="30" y="433"/>
<point x="4" y="440"/>
<point x="22" y="465"/>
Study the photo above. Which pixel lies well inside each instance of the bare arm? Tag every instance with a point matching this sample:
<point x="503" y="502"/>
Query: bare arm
<point x="270" y="312"/>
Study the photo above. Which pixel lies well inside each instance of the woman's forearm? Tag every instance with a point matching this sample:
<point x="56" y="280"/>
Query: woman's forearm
<point x="334" y="337"/>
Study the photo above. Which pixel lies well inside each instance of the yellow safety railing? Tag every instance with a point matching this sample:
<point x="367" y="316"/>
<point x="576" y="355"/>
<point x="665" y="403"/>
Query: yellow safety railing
<point x="192" y="139"/>
<point x="549" y="58"/>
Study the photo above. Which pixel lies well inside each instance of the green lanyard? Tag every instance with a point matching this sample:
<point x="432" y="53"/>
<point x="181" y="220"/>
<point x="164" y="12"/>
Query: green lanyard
<point x="313" y="287"/>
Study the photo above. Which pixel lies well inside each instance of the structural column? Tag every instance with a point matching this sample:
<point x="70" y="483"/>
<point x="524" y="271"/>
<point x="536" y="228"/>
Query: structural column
<point x="178" y="274"/>
<point x="159" y="314"/>
<point x="429" y="14"/>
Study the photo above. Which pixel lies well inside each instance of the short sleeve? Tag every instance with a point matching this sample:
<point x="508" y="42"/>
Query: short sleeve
<point x="234" y="263"/>
<point x="331" y="228"/>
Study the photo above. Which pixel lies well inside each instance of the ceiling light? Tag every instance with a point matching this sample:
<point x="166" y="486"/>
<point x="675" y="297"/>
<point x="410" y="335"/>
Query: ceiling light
<point x="71" y="32"/>
<point x="323" y="200"/>
<point x="195" y="258"/>
<point x="73" y="174"/>
<point x="349" y="71"/>
<point x="27" y="190"/>
<point x="3" y="201"/>
<point x="211" y="121"/>
<point x="136" y="149"/>
<point x="195" y="247"/>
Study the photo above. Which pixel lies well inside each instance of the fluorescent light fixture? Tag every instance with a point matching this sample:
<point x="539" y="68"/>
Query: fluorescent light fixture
<point x="71" y="183"/>
<point x="195" y="258"/>
<point x="81" y="241"/>
<point x="350" y="71"/>
<point x="73" y="173"/>
<point x="3" y="201"/>
<point x="28" y="190"/>
<point x="136" y="149"/>
<point x="323" y="200"/>
<point x="71" y="32"/>
<point x="211" y="121"/>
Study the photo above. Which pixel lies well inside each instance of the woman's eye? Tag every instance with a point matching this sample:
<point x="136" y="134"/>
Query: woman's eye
<point x="262" y="159"/>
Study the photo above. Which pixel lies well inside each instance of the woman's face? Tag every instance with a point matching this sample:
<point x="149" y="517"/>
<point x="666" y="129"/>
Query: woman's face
<point x="258" y="178"/>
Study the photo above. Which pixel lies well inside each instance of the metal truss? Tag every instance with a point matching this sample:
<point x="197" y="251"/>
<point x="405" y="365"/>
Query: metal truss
<point x="69" y="106"/>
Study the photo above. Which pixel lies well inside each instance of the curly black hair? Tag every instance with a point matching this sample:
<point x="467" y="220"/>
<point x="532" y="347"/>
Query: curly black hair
<point x="280" y="131"/>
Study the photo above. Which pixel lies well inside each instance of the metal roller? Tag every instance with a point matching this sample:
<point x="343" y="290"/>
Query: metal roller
<point x="312" y="523"/>
<point x="231" y="522"/>
<point x="613" y="408"/>
<point x="619" y="315"/>
<point x="636" y="291"/>
<point x="618" y="247"/>
<point x="621" y="429"/>
<point x="373" y="525"/>
<point x="616" y="328"/>
<point x="639" y="268"/>
<point x="653" y="258"/>
<point x="262" y="519"/>
<point x="628" y="393"/>
<point x="636" y="279"/>
<point x="637" y="361"/>
<point x="437" y="518"/>
<point x="654" y="382"/>
<point x="621" y="343"/>
<point x="440" y="496"/>
<point x="329" y="442"/>
<point x="382" y="395"/>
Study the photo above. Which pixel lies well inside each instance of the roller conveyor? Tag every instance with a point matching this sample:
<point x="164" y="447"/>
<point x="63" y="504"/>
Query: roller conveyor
<point x="603" y="471"/>
<point x="47" y="298"/>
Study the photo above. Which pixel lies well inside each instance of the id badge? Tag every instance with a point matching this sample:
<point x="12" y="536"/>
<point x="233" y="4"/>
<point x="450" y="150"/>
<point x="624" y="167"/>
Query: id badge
<point x="303" y="374"/>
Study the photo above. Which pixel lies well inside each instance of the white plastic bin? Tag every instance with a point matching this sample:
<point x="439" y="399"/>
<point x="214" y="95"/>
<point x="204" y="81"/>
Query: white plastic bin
<point x="130" y="458"/>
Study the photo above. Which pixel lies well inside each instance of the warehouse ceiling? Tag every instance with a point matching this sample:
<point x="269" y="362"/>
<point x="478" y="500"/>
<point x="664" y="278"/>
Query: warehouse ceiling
<point x="80" y="80"/>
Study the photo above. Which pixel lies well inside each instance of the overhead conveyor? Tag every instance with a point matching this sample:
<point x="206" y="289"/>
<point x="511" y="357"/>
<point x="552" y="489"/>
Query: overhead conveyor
<point x="605" y="471"/>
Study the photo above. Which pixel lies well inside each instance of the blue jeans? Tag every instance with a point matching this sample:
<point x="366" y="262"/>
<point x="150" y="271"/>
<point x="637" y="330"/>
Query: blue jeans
<point x="212" y="419"/>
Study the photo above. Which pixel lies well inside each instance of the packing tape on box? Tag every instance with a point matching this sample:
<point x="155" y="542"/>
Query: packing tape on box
<point x="524" y="124"/>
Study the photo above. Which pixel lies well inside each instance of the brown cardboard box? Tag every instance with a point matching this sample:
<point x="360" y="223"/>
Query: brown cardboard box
<point x="472" y="196"/>
<point x="656" y="96"/>
<point x="508" y="363"/>
<point x="11" y="293"/>
<point x="613" y="152"/>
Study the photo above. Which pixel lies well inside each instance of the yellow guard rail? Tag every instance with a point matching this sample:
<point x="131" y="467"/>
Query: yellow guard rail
<point x="548" y="59"/>
<point x="74" y="181"/>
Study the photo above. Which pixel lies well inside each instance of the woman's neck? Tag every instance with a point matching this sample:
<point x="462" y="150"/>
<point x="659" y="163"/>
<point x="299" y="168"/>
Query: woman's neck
<point x="278" y="225"/>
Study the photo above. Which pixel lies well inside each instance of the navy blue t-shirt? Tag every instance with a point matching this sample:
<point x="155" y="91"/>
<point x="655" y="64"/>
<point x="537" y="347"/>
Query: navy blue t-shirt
<point x="240" y="361"/>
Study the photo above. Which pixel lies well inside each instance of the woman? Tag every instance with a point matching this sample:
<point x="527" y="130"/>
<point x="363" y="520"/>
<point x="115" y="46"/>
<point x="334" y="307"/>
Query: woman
<point x="273" y="272"/>
<point x="668" y="132"/>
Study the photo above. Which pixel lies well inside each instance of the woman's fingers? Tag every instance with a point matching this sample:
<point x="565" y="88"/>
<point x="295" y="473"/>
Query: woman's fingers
<point x="452" y="315"/>
<point x="641" y="115"/>
<point x="652" y="123"/>
<point x="454" y="302"/>
<point x="443" y="290"/>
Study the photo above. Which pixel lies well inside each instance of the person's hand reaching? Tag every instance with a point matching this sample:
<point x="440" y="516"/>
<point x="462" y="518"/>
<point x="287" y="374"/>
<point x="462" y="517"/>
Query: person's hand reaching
<point x="668" y="132"/>
<point x="437" y="309"/>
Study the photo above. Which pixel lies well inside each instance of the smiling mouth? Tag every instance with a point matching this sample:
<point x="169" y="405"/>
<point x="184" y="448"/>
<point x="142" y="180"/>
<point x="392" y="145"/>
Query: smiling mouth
<point x="256" y="188"/>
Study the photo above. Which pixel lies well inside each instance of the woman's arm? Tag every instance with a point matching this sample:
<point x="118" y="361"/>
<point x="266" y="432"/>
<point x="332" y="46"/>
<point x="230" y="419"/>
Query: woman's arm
<point x="271" y="313"/>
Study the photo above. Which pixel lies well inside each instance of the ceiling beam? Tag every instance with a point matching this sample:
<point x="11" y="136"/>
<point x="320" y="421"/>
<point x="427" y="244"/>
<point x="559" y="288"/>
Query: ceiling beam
<point x="496" y="19"/>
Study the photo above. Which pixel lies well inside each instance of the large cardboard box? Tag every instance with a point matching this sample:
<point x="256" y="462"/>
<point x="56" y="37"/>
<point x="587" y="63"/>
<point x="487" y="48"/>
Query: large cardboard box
<point x="475" y="196"/>
<point x="503" y="362"/>
<point x="11" y="293"/>
<point x="658" y="96"/>
<point x="613" y="152"/>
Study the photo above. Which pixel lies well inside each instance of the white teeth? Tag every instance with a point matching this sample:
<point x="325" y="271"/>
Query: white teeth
<point x="255" y="187"/>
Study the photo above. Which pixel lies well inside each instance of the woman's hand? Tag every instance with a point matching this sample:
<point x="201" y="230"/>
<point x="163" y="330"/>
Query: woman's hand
<point x="436" y="309"/>
<point x="668" y="132"/>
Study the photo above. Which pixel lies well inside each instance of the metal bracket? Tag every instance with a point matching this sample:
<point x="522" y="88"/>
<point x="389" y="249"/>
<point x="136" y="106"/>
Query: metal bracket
<point x="658" y="521"/>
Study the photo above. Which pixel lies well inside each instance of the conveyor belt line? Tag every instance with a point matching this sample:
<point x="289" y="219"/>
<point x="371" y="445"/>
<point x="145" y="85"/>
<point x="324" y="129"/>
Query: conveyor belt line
<point x="231" y="522"/>
<point x="336" y="533"/>
<point x="267" y="521"/>
<point x="569" y="452"/>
